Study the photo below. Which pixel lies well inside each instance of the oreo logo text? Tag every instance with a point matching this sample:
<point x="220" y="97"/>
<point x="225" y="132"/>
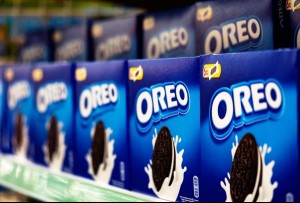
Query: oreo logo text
<point x="51" y="94"/>
<point x="234" y="36"/>
<point x="113" y="46"/>
<point x="33" y="53"/>
<point x="167" y="41"/>
<point x="159" y="102"/>
<point x="17" y="92"/>
<point x="298" y="37"/>
<point x="70" y="50"/>
<point x="245" y="104"/>
<point x="97" y="96"/>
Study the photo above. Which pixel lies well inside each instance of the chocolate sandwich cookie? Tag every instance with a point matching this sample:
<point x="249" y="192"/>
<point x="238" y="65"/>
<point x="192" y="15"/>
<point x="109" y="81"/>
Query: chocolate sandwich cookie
<point x="53" y="138"/>
<point x="19" y="131"/>
<point x="246" y="171"/>
<point x="164" y="158"/>
<point x="99" y="147"/>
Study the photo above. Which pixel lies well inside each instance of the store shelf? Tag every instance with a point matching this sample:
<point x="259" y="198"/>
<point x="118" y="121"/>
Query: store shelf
<point x="45" y="185"/>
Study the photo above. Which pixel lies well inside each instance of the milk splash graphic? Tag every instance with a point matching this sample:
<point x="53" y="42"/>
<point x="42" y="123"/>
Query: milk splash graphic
<point x="104" y="173"/>
<point x="22" y="151"/>
<point x="59" y="156"/>
<point x="168" y="192"/>
<point x="266" y="190"/>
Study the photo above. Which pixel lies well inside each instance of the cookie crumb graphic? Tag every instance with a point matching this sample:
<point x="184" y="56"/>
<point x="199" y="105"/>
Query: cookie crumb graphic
<point x="164" y="158"/>
<point x="53" y="134"/>
<point x="99" y="147"/>
<point x="247" y="170"/>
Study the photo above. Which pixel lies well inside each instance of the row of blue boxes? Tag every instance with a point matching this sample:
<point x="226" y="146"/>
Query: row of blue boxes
<point x="208" y="128"/>
<point x="203" y="28"/>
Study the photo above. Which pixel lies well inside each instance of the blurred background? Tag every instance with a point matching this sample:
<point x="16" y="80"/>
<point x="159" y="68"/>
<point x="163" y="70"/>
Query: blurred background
<point x="18" y="17"/>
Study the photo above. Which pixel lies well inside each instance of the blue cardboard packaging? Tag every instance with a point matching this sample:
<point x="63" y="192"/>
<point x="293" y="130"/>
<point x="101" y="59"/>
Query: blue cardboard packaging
<point x="233" y="26"/>
<point x="17" y="137"/>
<point x="169" y="33"/>
<point x="72" y="43"/>
<point x="37" y="47"/>
<point x="101" y="122"/>
<point x="164" y="121"/>
<point x="249" y="133"/>
<point x="53" y="116"/>
<point x="115" y="39"/>
<point x="287" y="23"/>
<point x="2" y="104"/>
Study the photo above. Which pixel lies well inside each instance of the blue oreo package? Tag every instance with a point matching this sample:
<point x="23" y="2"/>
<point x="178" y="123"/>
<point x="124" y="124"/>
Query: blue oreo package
<point x="115" y="39"/>
<point x="164" y="125"/>
<point x="249" y="127"/>
<point x="2" y="104"/>
<point x="287" y="23"/>
<point x="72" y="43"/>
<point x="17" y="138"/>
<point x="169" y="33"/>
<point x="37" y="47"/>
<point x="233" y="26"/>
<point x="101" y="122"/>
<point x="53" y="116"/>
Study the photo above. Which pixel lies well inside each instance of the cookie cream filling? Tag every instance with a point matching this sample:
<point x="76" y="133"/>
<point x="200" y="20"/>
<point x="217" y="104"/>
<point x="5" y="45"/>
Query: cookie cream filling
<point x="251" y="197"/>
<point x="172" y="163"/>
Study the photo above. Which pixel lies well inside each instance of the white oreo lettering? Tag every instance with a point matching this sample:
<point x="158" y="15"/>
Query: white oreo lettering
<point x="255" y="100"/>
<point x="113" y="46"/>
<point x="162" y="101"/>
<point x="97" y="96"/>
<point x="298" y="38"/>
<point x="233" y="35"/>
<point x="33" y="53"/>
<point x="17" y="92"/>
<point x="50" y="94"/>
<point x="167" y="41"/>
<point x="70" y="50"/>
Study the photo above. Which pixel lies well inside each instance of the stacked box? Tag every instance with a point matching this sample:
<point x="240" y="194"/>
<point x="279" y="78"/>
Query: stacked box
<point x="233" y="26"/>
<point x="18" y="105"/>
<point x="37" y="47"/>
<point x="169" y="33"/>
<point x="72" y="43"/>
<point x="53" y="116"/>
<point x="249" y="127"/>
<point x="101" y="122"/>
<point x="2" y="104"/>
<point x="287" y="23"/>
<point x="115" y="39"/>
<point x="164" y="118"/>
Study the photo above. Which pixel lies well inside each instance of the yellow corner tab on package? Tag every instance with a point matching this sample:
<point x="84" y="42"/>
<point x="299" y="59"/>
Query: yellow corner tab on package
<point x="212" y="71"/>
<point x="81" y="74"/>
<point x="97" y="31"/>
<point x="204" y="14"/>
<point x="37" y="75"/>
<point x="9" y="74"/>
<point x="149" y="23"/>
<point x="292" y="5"/>
<point x="136" y="73"/>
